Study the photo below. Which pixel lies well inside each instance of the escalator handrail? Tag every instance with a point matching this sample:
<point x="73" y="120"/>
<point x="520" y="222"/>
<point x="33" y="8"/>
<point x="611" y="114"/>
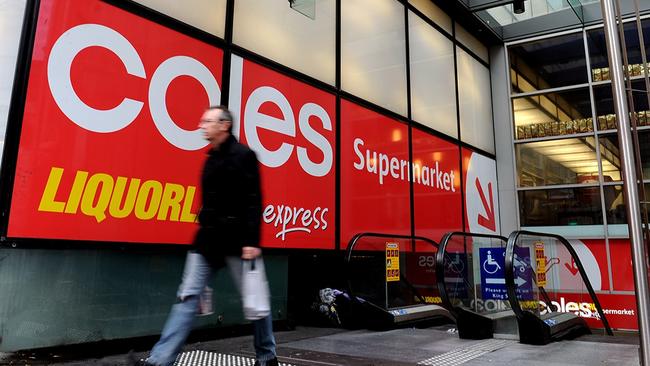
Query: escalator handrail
<point x="353" y="243"/>
<point x="440" y="260"/>
<point x="510" y="277"/>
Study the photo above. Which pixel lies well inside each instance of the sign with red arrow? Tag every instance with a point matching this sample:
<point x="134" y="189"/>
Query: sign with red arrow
<point x="572" y="267"/>
<point x="480" y="185"/>
<point x="486" y="221"/>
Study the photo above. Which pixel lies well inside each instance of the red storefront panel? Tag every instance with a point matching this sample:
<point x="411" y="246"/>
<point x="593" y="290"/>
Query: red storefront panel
<point x="436" y="187"/>
<point x="622" y="271"/>
<point x="110" y="149"/>
<point x="291" y="127"/>
<point x="374" y="173"/>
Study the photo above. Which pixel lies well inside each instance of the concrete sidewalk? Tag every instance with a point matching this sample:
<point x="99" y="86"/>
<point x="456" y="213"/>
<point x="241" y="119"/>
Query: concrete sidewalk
<point x="309" y="346"/>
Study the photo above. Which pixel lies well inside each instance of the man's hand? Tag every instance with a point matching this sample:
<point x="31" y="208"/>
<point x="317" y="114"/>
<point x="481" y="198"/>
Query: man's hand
<point x="250" y="252"/>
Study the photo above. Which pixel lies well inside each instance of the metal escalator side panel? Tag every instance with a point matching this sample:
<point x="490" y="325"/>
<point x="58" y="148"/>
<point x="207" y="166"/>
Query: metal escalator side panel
<point x="440" y="272"/>
<point x="533" y="330"/>
<point x="551" y="327"/>
<point x="386" y="301"/>
<point x="510" y="276"/>
<point x="420" y="312"/>
<point x="472" y="325"/>
<point x="541" y="327"/>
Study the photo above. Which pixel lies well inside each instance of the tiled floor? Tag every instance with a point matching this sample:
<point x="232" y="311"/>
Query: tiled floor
<point x="440" y="345"/>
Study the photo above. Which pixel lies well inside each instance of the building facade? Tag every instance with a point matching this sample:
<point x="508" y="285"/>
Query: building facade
<point x="390" y="116"/>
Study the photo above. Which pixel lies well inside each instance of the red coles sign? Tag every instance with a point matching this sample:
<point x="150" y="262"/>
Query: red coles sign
<point x="110" y="149"/>
<point x="291" y="127"/>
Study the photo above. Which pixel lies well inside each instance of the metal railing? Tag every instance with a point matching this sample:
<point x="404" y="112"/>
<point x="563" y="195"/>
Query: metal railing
<point x="510" y="276"/>
<point x="440" y="260"/>
<point x="355" y="240"/>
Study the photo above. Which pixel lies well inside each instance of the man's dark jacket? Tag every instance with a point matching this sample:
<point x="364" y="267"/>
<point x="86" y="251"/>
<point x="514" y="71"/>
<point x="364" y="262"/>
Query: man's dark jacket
<point x="232" y="202"/>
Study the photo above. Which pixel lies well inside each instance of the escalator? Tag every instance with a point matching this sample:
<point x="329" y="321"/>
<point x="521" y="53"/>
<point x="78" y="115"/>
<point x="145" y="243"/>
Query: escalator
<point x="392" y="280"/>
<point x="470" y="270"/>
<point x="561" y="302"/>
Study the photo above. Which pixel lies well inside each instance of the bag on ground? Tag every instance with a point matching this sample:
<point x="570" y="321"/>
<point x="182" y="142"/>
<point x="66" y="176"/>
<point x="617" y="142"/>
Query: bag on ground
<point x="255" y="290"/>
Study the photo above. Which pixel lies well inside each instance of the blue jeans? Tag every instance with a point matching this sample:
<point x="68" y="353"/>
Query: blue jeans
<point x="179" y="323"/>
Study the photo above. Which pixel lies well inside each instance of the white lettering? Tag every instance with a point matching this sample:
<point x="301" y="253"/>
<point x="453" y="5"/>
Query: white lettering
<point x="294" y="219"/>
<point x="322" y="168"/>
<point x="359" y="165"/>
<point x="78" y="38"/>
<point x="254" y="120"/>
<point x="382" y="164"/>
<point x="169" y="70"/>
<point x="59" y="65"/>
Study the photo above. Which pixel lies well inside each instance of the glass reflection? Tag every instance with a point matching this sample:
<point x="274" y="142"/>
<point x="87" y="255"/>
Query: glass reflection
<point x="615" y="205"/>
<point x="553" y="114"/>
<point x="560" y="207"/>
<point x="598" y="50"/>
<point x="606" y="117"/>
<point x="566" y="161"/>
<point x="548" y="63"/>
<point x="610" y="155"/>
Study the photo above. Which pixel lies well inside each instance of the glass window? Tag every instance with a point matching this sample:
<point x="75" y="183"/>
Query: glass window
<point x="475" y="102"/>
<point x="373" y="52"/>
<point x="433" y="94"/>
<point x="553" y="114"/>
<point x="566" y="161"/>
<point x="605" y="112"/>
<point x="615" y="205"/>
<point x="472" y="43"/>
<point x="207" y="15"/>
<point x="428" y="8"/>
<point x="548" y="63"/>
<point x="598" y="50"/>
<point x="275" y="30"/>
<point x="559" y="207"/>
<point x="610" y="155"/>
<point x="11" y="21"/>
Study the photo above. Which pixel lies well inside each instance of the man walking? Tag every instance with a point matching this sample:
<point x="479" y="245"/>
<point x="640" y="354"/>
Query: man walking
<point x="229" y="230"/>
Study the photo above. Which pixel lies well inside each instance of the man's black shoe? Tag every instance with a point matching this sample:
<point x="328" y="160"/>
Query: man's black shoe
<point x="131" y="360"/>
<point x="271" y="362"/>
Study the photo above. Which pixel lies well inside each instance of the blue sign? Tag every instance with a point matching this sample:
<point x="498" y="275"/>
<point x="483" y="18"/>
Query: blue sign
<point x="456" y="275"/>
<point x="524" y="273"/>
<point x="493" y="283"/>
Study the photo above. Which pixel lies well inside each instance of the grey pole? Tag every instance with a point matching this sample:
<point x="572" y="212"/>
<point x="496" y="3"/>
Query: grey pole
<point x="630" y="180"/>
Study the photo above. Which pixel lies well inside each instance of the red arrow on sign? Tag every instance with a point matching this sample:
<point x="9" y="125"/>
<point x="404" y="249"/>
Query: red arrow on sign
<point x="572" y="268"/>
<point x="487" y="222"/>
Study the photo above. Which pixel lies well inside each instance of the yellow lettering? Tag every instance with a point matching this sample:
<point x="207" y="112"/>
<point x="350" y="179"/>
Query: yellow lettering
<point x="101" y="195"/>
<point x="88" y="205"/>
<point x="121" y="212"/>
<point x="141" y="210"/>
<point x="48" y="204"/>
<point x="171" y="198"/>
<point x="75" y="193"/>
<point x="186" y="213"/>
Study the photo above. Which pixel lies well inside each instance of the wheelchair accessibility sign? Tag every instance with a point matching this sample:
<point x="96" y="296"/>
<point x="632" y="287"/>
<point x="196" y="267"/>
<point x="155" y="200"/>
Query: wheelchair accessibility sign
<point x="493" y="282"/>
